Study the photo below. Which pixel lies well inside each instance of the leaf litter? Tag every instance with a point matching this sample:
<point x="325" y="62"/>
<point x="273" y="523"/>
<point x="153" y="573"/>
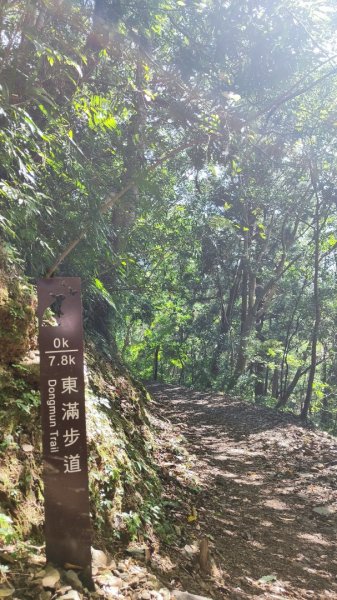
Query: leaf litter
<point x="266" y="499"/>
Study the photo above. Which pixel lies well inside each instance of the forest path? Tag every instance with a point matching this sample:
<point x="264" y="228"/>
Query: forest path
<point x="268" y="500"/>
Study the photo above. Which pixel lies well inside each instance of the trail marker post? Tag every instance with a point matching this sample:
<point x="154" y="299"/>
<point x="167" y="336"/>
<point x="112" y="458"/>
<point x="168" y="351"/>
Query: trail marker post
<point x="65" y="463"/>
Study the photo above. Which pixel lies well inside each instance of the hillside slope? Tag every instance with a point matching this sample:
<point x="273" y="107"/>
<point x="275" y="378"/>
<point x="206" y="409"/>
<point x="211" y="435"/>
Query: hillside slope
<point x="129" y="517"/>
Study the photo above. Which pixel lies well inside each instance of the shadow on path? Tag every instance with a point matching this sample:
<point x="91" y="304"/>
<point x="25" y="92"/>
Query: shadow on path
<point x="263" y="474"/>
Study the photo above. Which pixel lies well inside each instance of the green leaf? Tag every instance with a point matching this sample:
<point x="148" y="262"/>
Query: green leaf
<point x="267" y="579"/>
<point x="104" y="293"/>
<point x="110" y="122"/>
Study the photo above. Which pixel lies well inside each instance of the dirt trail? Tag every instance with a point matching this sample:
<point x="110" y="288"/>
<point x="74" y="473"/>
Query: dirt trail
<point x="269" y="495"/>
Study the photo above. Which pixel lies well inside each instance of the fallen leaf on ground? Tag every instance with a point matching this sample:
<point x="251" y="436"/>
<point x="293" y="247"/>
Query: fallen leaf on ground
<point x="324" y="510"/>
<point x="267" y="579"/>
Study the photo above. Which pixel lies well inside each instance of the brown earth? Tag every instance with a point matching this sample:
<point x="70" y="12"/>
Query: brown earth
<point x="266" y="498"/>
<point x="256" y="486"/>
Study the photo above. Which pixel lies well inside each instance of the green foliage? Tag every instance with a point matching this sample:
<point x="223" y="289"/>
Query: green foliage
<point x="215" y="126"/>
<point x="17" y="400"/>
<point x="7" y="532"/>
<point x="133" y="522"/>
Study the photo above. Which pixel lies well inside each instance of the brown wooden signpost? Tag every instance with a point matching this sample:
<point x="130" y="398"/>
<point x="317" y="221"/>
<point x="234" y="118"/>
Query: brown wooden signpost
<point x="67" y="520"/>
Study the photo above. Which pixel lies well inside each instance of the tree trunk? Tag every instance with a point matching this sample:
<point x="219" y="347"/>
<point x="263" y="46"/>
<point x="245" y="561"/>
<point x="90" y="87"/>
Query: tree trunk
<point x="225" y="318"/>
<point x="325" y="413"/>
<point x="226" y="313"/>
<point x="312" y="371"/>
<point x="266" y="382"/>
<point x="275" y="383"/>
<point x="259" y="380"/>
<point x="155" y="363"/>
<point x="286" y="393"/>
<point x="246" y="326"/>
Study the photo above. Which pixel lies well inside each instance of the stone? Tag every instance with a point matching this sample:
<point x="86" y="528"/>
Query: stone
<point x="6" y="592"/>
<point x="51" y="577"/>
<point x="165" y="593"/>
<point x="145" y="595"/>
<point x="72" y="595"/>
<point x="73" y="579"/>
<point x="40" y="574"/>
<point x="191" y="550"/>
<point x="112" y="592"/>
<point x="109" y="580"/>
<point x="63" y="590"/>
<point x="28" y="448"/>
<point x="99" y="558"/>
<point x="45" y="595"/>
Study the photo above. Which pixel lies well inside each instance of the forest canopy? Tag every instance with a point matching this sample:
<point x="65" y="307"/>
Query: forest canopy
<point x="180" y="156"/>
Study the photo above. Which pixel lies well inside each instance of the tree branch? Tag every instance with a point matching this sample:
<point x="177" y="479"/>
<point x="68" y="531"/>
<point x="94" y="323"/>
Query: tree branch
<point x="112" y="199"/>
<point x="291" y="95"/>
